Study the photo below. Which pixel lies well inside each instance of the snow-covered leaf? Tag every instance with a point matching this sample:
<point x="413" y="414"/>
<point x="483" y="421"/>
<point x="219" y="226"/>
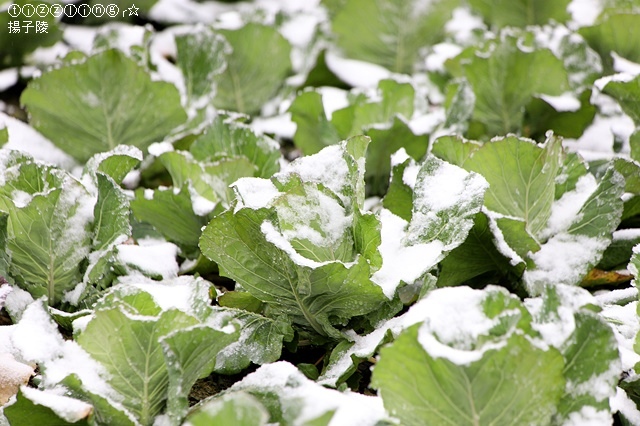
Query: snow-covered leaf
<point x="291" y="398"/>
<point x="48" y="231"/>
<point x="47" y="408"/>
<point x="302" y="236"/>
<point x="200" y="57"/>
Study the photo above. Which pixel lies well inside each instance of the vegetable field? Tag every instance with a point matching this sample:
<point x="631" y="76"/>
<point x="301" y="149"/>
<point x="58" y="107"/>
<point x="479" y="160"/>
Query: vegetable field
<point x="320" y="212"/>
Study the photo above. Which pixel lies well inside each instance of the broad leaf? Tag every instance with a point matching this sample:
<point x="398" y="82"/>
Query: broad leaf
<point x="307" y="241"/>
<point x="476" y="257"/>
<point x="48" y="232"/>
<point x="311" y="296"/>
<point x="453" y="343"/>
<point x="171" y="214"/>
<point x="201" y="57"/>
<point x="47" y="408"/>
<point x="133" y="356"/>
<point x="615" y="32"/>
<point x="564" y="317"/>
<point x="521" y="178"/>
<point x="520" y="13"/>
<point x="291" y="398"/>
<point x="314" y="131"/>
<point x="628" y="95"/>
<point x="236" y="408"/>
<point x="504" y="74"/>
<point x="190" y="355"/>
<point x="589" y="234"/>
<point x="260" y="340"/>
<point x="390" y="32"/>
<point x="227" y="138"/>
<point x="100" y="103"/>
<point x="257" y="65"/>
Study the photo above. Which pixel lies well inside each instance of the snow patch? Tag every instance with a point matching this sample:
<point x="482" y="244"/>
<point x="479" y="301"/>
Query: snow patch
<point x="299" y="394"/>
<point x="159" y="259"/>
<point x="565" y="211"/>
<point x="69" y="409"/>
<point x="401" y="262"/>
<point x="356" y="73"/>
<point x="254" y="193"/>
<point x="561" y="260"/>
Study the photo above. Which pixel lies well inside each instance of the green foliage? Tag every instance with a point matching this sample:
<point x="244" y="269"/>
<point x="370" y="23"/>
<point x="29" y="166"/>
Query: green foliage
<point x="257" y="62"/>
<point x="60" y="232"/>
<point x="504" y="74"/>
<point x="85" y="108"/>
<point x="15" y="46"/>
<point x="520" y="13"/>
<point x="383" y="119"/>
<point x="390" y="32"/>
<point x="336" y="251"/>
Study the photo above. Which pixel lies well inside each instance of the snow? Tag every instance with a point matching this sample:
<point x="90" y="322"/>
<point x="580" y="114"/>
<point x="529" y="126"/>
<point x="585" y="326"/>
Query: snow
<point x="187" y="11"/>
<point x="70" y="409"/>
<point x="201" y="205"/>
<point x="427" y="123"/>
<point x="25" y="138"/>
<point x="401" y="262"/>
<point x="273" y="236"/>
<point x="632" y="268"/>
<point x="448" y="186"/>
<point x="280" y="125"/>
<point x="556" y="330"/>
<point x="179" y="292"/>
<point x="333" y="99"/>
<point x="300" y="29"/>
<point x="5" y="289"/>
<point x="356" y="73"/>
<point x="441" y="52"/>
<point x="159" y="259"/>
<point x="20" y="198"/>
<point x="589" y="416"/>
<point x="254" y="193"/>
<point x="158" y="148"/>
<point x="327" y="167"/>
<point x="622" y="403"/>
<point x="8" y="78"/>
<point x="584" y="12"/>
<point x="562" y="103"/>
<point x="301" y="396"/>
<point x="16" y="302"/>
<point x="625" y="66"/>
<point x="599" y="386"/>
<point x="80" y="37"/>
<point x="626" y="234"/>
<point x="35" y="338"/>
<point x="561" y="260"/>
<point x="565" y="211"/>
<point x="410" y="175"/>
<point x="314" y="207"/>
<point x="453" y="319"/>
<point x="462" y="25"/>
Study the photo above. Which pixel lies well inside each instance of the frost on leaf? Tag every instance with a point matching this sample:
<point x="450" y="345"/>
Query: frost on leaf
<point x="544" y="209"/>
